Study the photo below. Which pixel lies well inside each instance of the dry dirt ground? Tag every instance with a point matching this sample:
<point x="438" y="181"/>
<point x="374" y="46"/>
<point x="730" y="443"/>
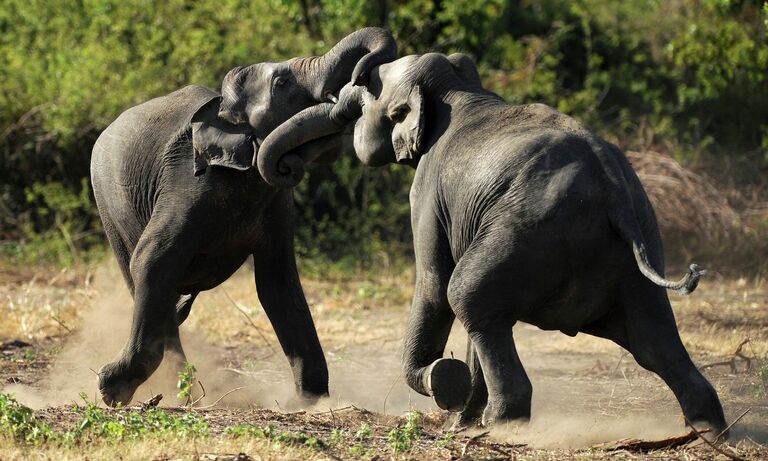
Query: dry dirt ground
<point x="58" y="327"/>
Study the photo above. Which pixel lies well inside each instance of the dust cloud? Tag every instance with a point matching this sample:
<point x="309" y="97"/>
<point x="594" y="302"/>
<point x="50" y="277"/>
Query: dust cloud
<point x="566" y="413"/>
<point x="102" y="332"/>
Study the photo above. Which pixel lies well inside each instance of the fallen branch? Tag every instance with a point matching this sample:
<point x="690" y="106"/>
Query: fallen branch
<point x="476" y="441"/>
<point x="631" y="444"/>
<point x="732" y="361"/>
<point x="331" y="411"/>
<point x="152" y="402"/>
<point x="728" y="454"/>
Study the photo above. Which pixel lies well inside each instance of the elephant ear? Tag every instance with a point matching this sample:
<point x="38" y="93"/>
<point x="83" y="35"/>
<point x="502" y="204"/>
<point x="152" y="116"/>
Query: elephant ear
<point x="217" y="142"/>
<point x="408" y="126"/>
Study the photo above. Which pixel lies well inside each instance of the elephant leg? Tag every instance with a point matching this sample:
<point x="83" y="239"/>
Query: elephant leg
<point x="484" y="290"/>
<point x="281" y="296"/>
<point x="472" y="414"/>
<point x="656" y="345"/>
<point x="174" y="352"/>
<point x="447" y="381"/>
<point x="509" y="389"/>
<point x="121" y="250"/>
<point x="160" y="257"/>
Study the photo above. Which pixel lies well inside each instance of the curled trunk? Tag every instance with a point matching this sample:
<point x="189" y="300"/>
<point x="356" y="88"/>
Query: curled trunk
<point x="351" y="59"/>
<point x="277" y="162"/>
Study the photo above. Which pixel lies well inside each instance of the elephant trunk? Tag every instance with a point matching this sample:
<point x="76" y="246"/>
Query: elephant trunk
<point x="351" y="59"/>
<point x="277" y="165"/>
<point x="275" y="161"/>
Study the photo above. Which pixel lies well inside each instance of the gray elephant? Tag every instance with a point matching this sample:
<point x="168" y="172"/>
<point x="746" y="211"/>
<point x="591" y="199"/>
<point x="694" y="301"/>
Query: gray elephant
<point x="182" y="206"/>
<point x="518" y="214"/>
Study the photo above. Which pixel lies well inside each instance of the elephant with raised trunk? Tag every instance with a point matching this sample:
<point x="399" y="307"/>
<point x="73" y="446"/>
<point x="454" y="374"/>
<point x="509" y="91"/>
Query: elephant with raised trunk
<point x="182" y="206"/>
<point x="519" y="214"/>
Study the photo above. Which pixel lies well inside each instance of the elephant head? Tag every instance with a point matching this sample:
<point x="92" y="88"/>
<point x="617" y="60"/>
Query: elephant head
<point x="262" y="96"/>
<point x="395" y="112"/>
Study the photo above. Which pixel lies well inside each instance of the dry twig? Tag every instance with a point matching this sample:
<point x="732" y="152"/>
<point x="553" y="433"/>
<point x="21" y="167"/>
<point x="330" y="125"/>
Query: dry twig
<point x="152" y="402"/>
<point x="732" y="361"/>
<point x="725" y="431"/>
<point x="476" y="441"/>
<point x="729" y="454"/>
<point x="248" y="317"/>
<point x="201" y="397"/>
<point x="220" y="399"/>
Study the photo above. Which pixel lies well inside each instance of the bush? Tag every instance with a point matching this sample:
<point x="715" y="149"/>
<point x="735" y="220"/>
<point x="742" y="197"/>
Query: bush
<point x="685" y="77"/>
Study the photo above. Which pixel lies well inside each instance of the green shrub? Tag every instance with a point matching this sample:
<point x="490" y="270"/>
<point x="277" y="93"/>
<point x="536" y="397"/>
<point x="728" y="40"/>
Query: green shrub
<point x="687" y="77"/>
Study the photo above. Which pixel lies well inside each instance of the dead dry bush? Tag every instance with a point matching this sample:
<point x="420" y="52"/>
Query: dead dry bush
<point x="697" y="219"/>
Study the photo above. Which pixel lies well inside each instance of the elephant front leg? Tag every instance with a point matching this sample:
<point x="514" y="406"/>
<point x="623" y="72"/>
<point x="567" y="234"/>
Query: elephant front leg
<point x="280" y="293"/>
<point x="281" y="296"/>
<point x="446" y="380"/>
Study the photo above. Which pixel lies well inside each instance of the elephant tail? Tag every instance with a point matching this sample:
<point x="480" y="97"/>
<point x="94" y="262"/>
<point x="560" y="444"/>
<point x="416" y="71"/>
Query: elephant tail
<point x="630" y="232"/>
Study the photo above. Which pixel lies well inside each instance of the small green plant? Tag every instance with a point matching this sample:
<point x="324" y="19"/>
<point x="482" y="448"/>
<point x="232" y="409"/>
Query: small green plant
<point x="30" y="355"/>
<point x="186" y="383"/>
<point x="122" y="425"/>
<point x="401" y="439"/>
<point x="446" y="439"/>
<point x="19" y="422"/>
<point x="364" y="432"/>
<point x="269" y="432"/>
<point x="338" y="435"/>
<point x="359" y="450"/>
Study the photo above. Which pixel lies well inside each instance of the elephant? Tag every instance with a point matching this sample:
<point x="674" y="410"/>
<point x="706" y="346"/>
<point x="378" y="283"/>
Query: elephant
<point x="519" y="214"/>
<point x="183" y="207"/>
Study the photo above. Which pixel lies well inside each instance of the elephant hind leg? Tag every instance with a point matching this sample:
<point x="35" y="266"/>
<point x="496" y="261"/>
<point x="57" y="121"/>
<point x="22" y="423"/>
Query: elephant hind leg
<point x="483" y="296"/>
<point x="656" y="345"/>
<point x="160" y="257"/>
<point x="472" y="414"/>
<point x="121" y="250"/>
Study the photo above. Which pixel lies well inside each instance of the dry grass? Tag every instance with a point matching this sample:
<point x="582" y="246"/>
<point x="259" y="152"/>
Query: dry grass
<point x="360" y="323"/>
<point x="726" y="225"/>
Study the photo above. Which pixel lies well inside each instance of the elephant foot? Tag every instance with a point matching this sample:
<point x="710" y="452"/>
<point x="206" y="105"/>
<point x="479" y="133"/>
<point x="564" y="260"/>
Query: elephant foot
<point x="119" y="380"/>
<point x="115" y="388"/>
<point x="711" y="431"/>
<point x="464" y="421"/>
<point x="518" y="412"/>
<point x="449" y="382"/>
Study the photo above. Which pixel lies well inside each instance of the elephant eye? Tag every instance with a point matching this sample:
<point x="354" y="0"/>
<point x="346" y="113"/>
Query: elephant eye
<point x="399" y="113"/>
<point x="279" y="81"/>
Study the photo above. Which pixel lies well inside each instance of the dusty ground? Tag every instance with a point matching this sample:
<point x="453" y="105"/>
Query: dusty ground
<point x="58" y="327"/>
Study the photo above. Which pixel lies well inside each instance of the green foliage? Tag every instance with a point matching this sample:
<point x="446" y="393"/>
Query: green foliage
<point x="19" y="422"/>
<point x="186" y="382"/>
<point x="446" y="439"/>
<point x="110" y="425"/>
<point x="269" y="432"/>
<point x="689" y="77"/>
<point x="363" y="433"/>
<point x="400" y="439"/>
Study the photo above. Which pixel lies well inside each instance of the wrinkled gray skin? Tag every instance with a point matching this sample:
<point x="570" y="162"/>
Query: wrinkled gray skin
<point x="518" y="214"/>
<point x="182" y="206"/>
